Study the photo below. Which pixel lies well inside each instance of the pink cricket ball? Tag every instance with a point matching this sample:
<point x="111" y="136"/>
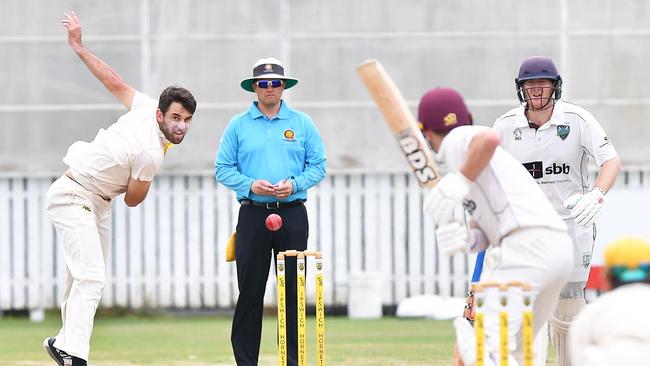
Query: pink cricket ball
<point x="273" y="222"/>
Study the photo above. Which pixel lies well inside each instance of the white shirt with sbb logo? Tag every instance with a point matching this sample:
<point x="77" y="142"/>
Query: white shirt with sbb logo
<point x="557" y="153"/>
<point x="504" y="197"/>
<point x="105" y="165"/>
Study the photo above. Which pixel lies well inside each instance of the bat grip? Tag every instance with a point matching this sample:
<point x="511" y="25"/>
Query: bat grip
<point x="478" y="266"/>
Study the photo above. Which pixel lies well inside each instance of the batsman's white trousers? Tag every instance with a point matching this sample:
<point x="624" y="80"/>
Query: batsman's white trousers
<point x="583" y="247"/>
<point x="539" y="256"/>
<point x="82" y="222"/>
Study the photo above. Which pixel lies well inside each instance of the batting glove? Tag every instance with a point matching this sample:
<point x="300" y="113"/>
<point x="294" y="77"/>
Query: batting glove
<point x="585" y="209"/>
<point x="453" y="238"/>
<point x="440" y="202"/>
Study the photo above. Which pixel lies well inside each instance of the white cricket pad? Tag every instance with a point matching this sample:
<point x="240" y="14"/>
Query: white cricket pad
<point x="565" y="312"/>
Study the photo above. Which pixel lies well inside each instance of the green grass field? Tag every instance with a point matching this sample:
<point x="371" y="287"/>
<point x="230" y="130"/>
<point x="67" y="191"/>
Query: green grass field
<point x="205" y="340"/>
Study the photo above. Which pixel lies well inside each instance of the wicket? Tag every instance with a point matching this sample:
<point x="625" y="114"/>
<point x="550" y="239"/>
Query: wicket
<point x="503" y="290"/>
<point x="302" y="307"/>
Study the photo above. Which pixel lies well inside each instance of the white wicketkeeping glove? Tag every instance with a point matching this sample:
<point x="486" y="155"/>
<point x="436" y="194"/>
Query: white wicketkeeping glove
<point x="440" y="202"/>
<point x="453" y="237"/>
<point x="586" y="208"/>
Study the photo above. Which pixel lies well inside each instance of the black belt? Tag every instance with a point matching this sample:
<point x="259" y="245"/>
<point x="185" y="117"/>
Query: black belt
<point x="271" y="205"/>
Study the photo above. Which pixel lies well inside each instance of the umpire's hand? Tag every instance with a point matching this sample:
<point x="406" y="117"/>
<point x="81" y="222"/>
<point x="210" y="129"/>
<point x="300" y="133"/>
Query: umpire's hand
<point x="263" y="188"/>
<point x="283" y="189"/>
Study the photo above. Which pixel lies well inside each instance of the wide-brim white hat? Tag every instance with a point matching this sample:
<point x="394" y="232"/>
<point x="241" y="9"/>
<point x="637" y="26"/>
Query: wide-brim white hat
<point x="268" y="68"/>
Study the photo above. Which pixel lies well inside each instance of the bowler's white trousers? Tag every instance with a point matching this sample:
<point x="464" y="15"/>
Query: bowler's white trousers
<point x="539" y="256"/>
<point x="82" y="222"/>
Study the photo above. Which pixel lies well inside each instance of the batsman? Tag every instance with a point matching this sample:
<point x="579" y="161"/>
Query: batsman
<point x="527" y="239"/>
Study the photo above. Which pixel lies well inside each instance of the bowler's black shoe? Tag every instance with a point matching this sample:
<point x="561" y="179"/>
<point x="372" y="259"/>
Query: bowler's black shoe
<point x="61" y="357"/>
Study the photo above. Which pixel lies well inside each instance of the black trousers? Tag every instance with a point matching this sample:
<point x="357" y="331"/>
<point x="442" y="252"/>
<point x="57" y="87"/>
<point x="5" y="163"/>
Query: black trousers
<point x="253" y="246"/>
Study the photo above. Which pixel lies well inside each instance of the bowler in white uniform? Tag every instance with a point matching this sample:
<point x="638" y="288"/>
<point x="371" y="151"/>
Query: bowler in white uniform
<point x="123" y="158"/>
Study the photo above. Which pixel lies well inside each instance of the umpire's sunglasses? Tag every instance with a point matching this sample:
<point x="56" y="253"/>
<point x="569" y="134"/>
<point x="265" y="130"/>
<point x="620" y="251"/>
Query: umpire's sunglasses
<point x="266" y="83"/>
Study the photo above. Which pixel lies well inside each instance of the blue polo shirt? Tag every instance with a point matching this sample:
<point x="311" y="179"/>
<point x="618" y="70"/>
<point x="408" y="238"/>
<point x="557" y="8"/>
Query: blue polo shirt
<point x="254" y="147"/>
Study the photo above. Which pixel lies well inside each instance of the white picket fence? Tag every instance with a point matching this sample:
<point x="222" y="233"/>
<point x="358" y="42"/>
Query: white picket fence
<point x="169" y="251"/>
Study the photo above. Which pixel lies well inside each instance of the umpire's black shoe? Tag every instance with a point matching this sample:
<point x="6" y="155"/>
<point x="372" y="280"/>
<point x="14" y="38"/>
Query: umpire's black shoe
<point x="61" y="357"/>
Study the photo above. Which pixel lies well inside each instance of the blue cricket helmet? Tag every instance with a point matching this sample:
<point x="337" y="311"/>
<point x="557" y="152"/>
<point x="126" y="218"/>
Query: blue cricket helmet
<point x="538" y="67"/>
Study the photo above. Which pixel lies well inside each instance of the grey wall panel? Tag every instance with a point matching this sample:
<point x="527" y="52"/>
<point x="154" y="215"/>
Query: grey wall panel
<point x="485" y="116"/>
<point x="39" y="140"/>
<point x="211" y="69"/>
<point x="606" y="15"/>
<point x="21" y="18"/>
<point x="50" y="73"/>
<point x="628" y="129"/>
<point x="609" y="67"/>
<point x="423" y="15"/>
<point x="224" y="17"/>
<point x="480" y="68"/>
<point x="357" y="138"/>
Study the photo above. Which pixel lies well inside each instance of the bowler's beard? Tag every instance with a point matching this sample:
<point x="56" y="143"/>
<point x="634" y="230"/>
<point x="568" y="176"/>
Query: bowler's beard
<point x="170" y="136"/>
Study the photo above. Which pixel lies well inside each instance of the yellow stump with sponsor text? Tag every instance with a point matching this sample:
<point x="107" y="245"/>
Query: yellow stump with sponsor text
<point x="527" y="323"/>
<point x="320" y="311"/>
<point x="282" y="311"/>
<point x="479" y="324"/>
<point x="302" y="311"/>
<point x="491" y="291"/>
<point x="503" y="326"/>
<point x="301" y="263"/>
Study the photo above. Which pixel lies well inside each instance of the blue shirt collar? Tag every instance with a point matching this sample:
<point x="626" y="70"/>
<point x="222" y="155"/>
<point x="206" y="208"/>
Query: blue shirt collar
<point x="283" y="113"/>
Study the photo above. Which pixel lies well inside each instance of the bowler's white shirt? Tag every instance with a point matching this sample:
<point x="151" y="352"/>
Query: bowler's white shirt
<point x="105" y="165"/>
<point x="558" y="152"/>
<point x="504" y="197"/>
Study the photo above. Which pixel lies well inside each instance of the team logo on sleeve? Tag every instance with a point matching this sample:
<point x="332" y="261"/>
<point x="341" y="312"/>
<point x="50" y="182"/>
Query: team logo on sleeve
<point x="289" y="135"/>
<point x="606" y="141"/>
<point x="517" y="134"/>
<point x="563" y="131"/>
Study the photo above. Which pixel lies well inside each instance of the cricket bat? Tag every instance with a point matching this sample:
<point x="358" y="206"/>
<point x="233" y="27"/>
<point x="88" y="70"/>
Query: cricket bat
<point x="401" y="122"/>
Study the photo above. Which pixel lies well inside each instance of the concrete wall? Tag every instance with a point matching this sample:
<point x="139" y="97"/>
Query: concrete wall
<point x="49" y="100"/>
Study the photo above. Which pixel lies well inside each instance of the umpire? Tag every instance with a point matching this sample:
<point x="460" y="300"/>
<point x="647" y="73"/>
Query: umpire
<point x="269" y="155"/>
